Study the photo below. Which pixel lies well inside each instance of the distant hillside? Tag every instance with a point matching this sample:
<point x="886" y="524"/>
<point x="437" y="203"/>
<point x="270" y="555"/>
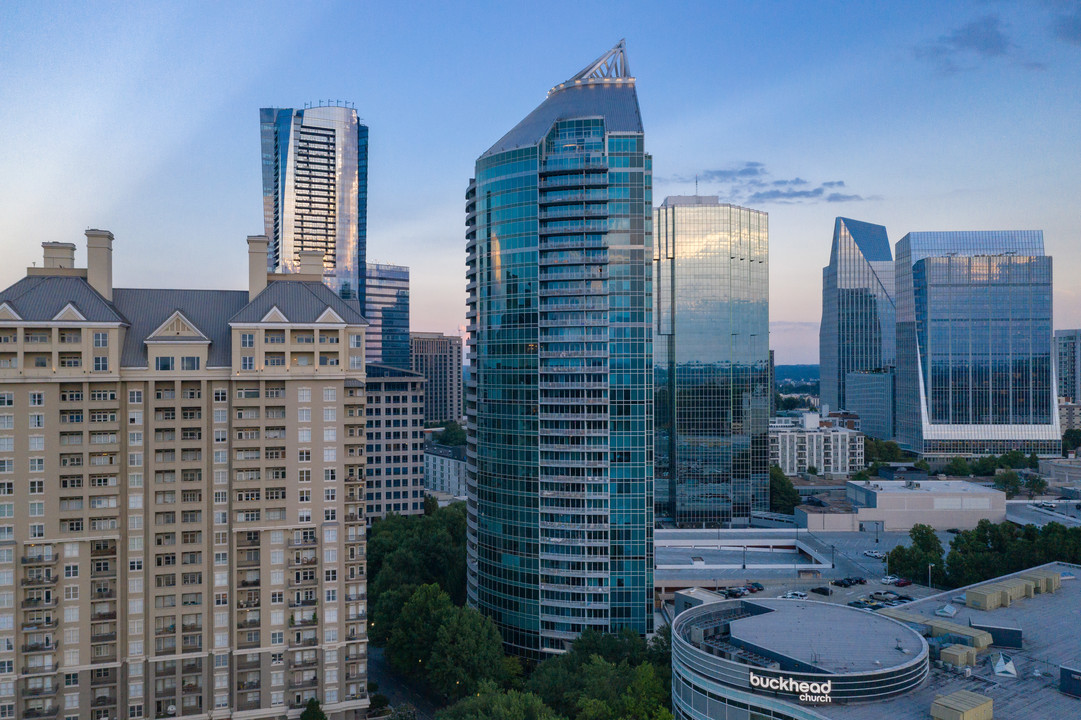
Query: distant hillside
<point x="796" y="373"/>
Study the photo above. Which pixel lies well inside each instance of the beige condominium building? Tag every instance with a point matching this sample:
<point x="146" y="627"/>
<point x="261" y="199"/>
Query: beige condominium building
<point x="181" y="495"/>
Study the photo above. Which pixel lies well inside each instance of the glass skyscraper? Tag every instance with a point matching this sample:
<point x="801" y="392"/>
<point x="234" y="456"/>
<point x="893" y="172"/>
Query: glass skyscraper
<point x="315" y="191"/>
<point x="975" y="347"/>
<point x="711" y="361"/>
<point x="387" y="313"/>
<point x="1068" y="352"/>
<point x="559" y="404"/>
<point x="857" y="330"/>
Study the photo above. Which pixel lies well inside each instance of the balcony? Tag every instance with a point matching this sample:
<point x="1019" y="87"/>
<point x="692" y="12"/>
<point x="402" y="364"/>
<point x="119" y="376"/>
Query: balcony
<point x="31" y="626"/>
<point x="41" y="712"/>
<point x="304" y="642"/>
<point x="111" y="658"/>
<point x="39" y="669"/>
<point x="191" y="627"/>
<point x="165" y="669"/>
<point x="41" y="691"/>
<point x="103" y="551"/>
<point x="303" y="603"/>
<point x="246" y="543"/>
<point x="192" y="668"/>
<point x="252" y="685"/>
<point x="247" y="562"/>
<point x="249" y="664"/>
<point x="165" y="630"/>
<point x="301" y="684"/>
<point x="103" y="637"/>
<point x="103" y="595"/>
<point x="40" y="581"/>
<point x="248" y="583"/>
<point x="107" y="615"/>
<point x="243" y="624"/>
<point x="297" y="663"/>
<point x="109" y="679"/>
<point x="103" y="701"/>
<point x="303" y="542"/>
<point x="39" y="647"/>
<point x="244" y="604"/>
<point x="38" y="603"/>
<point x="39" y="559"/>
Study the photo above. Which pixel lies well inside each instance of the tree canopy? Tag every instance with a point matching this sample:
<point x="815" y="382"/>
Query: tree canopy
<point x="467" y="650"/>
<point x="783" y="496"/>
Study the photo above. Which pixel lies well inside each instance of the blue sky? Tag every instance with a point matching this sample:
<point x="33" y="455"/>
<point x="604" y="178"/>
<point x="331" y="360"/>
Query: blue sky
<point x="143" y="119"/>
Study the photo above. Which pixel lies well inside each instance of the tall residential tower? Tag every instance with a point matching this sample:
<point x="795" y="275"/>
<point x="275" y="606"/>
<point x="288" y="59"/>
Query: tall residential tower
<point x="439" y="358"/>
<point x="560" y="403"/>
<point x="712" y="366"/>
<point x="181" y="495"/>
<point x="975" y="357"/>
<point x="858" y="316"/>
<point x="315" y="191"/>
<point x="387" y="310"/>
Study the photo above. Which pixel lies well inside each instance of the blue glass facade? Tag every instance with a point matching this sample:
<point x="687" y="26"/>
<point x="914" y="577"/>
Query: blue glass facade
<point x="559" y="401"/>
<point x="974" y="367"/>
<point x="387" y="312"/>
<point x="1068" y="351"/>
<point x="712" y="364"/>
<point x="315" y="191"/>
<point x="858" y="315"/>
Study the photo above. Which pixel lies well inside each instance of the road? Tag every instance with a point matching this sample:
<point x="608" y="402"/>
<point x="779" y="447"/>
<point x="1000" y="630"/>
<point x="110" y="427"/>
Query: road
<point x="397" y="690"/>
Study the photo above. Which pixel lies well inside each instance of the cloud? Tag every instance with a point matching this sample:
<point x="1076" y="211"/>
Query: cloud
<point x="752" y="182"/>
<point x="982" y="39"/>
<point x="840" y="197"/>
<point x="1067" y="28"/>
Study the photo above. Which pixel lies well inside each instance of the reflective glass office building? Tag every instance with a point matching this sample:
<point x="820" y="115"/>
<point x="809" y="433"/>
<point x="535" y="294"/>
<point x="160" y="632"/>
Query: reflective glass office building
<point x="975" y="347"/>
<point x="559" y="403"/>
<point x="315" y="191"/>
<point x="1068" y="353"/>
<point x="387" y="311"/>
<point x="858" y="315"/>
<point x="711" y="361"/>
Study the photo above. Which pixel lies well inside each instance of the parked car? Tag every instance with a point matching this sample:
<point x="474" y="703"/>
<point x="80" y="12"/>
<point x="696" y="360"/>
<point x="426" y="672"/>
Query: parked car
<point x="857" y="580"/>
<point x="840" y="582"/>
<point x="905" y="598"/>
<point x="884" y="595"/>
<point x="902" y="582"/>
<point x="876" y="554"/>
<point x="889" y="580"/>
<point x="794" y="595"/>
<point x="822" y="590"/>
<point x="758" y="586"/>
<point x="750" y="588"/>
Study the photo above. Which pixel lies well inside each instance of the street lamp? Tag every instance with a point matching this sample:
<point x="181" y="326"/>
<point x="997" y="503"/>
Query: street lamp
<point x="929" y="566"/>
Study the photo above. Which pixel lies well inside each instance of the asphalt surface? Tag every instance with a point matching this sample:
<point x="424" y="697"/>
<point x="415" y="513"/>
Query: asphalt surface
<point x="396" y="689"/>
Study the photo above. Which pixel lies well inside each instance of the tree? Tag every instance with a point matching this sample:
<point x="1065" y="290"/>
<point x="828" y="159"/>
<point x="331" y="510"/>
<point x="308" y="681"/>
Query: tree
<point x="1035" y="485"/>
<point x="783" y="496"/>
<point x="913" y="561"/>
<point x="489" y="703"/>
<point x="922" y="464"/>
<point x="453" y="434"/>
<point x="467" y="650"/>
<point x="1008" y="482"/>
<point x="409" y="647"/>
<point x="958" y="467"/>
<point x="812" y="470"/>
<point x="1071" y="440"/>
<point x="312" y="711"/>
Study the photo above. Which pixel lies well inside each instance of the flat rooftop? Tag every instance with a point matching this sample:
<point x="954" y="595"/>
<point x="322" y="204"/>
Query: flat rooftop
<point x="832" y="638"/>
<point x="927" y="487"/>
<point x="1051" y="624"/>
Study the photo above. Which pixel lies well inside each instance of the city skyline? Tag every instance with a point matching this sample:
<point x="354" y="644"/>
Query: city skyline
<point x="958" y="117"/>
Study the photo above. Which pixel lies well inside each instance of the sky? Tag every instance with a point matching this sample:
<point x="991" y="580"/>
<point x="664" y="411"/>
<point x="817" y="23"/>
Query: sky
<point x="143" y="119"/>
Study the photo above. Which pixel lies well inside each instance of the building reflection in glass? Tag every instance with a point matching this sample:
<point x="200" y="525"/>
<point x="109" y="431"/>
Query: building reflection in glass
<point x="711" y="369"/>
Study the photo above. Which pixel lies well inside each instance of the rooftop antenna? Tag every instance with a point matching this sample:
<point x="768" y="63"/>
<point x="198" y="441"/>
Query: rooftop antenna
<point x="696" y="184"/>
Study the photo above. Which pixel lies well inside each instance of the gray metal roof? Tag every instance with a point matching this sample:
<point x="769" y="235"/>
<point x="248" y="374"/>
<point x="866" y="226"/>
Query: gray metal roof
<point x="616" y="103"/>
<point x="378" y="371"/>
<point x="300" y="302"/>
<point x="40" y="298"/>
<point x="871" y="239"/>
<point x="206" y="309"/>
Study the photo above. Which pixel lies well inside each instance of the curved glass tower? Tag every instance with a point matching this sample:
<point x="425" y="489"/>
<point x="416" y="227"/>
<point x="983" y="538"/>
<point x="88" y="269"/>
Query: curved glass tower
<point x="315" y="192"/>
<point x="560" y="399"/>
<point x="858" y="315"/>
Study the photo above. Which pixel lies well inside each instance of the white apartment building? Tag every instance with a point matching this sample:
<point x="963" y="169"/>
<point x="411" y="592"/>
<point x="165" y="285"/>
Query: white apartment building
<point x="797" y="444"/>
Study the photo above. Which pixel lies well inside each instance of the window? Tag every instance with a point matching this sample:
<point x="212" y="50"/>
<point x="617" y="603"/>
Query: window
<point x="330" y="454"/>
<point x="101" y="340"/>
<point x="135" y="397"/>
<point x="37" y="399"/>
<point x="304" y="435"/>
<point x="330" y="434"/>
<point x="189" y="363"/>
<point x="37" y="421"/>
<point x="304" y="456"/>
<point x="221" y="395"/>
<point x="247" y="340"/>
<point x="163" y="364"/>
<point x="356" y="341"/>
<point x="304" y="415"/>
<point x="330" y="394"/>
<point x="330" y="414"/>
<point x="101" y="364"/>
<point x="304" y="395"/>
<point x="247" y="362"/>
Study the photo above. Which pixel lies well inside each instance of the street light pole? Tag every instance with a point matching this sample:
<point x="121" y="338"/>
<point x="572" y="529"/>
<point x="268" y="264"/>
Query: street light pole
<point x="929" y="566"/>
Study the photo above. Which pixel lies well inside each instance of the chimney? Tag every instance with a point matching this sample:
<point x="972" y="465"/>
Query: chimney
<point x="99" y="262"/>
<point x="257" y="265"/>
<point x="311" y="262"/>
<point x="59" y="255"/>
